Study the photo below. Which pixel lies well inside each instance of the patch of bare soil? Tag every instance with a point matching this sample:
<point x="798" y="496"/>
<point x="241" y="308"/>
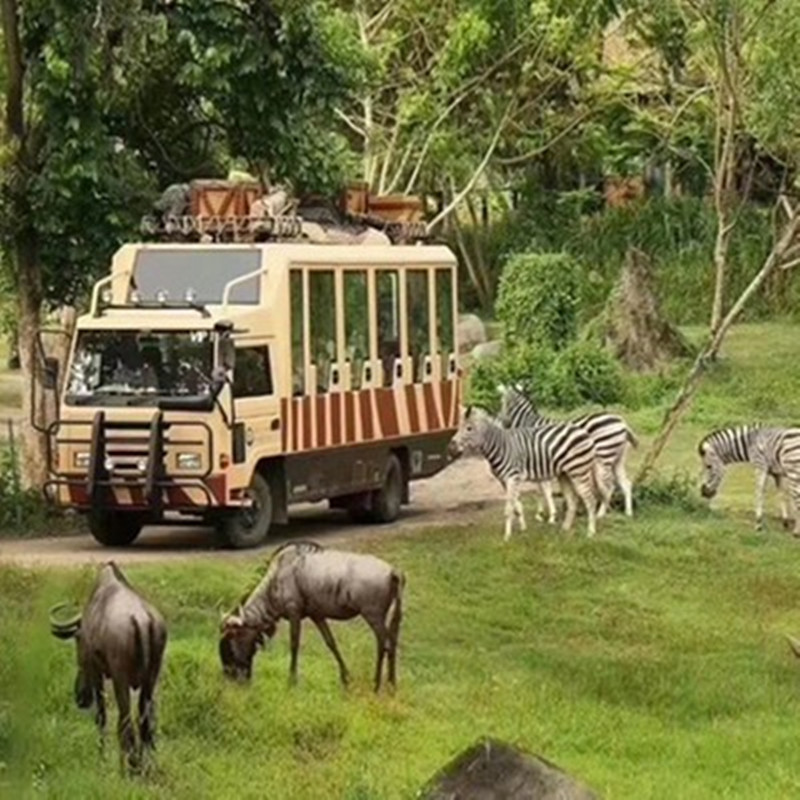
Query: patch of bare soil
<point x="453" y="497"/>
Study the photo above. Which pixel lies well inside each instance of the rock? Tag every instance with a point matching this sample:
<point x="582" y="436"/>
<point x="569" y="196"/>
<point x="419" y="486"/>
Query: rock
<point x="471" y="331"/>
<point x="487" y="350"/>
<point x="492" y="770"/>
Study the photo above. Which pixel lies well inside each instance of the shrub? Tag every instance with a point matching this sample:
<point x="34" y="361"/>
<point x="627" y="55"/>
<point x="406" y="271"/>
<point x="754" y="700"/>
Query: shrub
<point x="538" y="300"/>
<point x="677" y="490"/>
<point x="585" y="372"/>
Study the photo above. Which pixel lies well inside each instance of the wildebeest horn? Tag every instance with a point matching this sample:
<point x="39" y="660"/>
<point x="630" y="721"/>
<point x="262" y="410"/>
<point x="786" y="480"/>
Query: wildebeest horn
<point x="794" y="644"/>
<point x="65" y="628"/>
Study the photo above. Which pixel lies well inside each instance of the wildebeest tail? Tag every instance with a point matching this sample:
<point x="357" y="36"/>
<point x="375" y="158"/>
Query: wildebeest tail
<point x="142" y="647"/>
<point x="398" y="582"/>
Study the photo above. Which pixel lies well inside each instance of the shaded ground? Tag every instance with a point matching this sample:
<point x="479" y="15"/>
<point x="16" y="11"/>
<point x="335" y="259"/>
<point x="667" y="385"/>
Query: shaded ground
<point x="454" y="497"/>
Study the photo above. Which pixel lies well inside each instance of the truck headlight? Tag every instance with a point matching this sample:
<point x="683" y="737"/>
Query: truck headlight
<point x="189" y="461"/>
<point x="80" y="460"/>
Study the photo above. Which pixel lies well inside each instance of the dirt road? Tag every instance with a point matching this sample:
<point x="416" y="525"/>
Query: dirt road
<point x="452" y="497"/>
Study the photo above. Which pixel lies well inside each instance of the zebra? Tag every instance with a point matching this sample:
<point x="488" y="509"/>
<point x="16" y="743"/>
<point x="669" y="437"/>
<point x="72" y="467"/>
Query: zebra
<point x="610" y="432"/>
<point x="774" y="452"/>
<point x="556" y="451"/>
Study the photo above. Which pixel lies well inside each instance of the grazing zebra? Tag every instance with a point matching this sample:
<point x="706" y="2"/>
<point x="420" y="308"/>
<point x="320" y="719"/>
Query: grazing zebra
<point x="558" y="451"/>
<point x="774" y="452"/>
<point x="610" y="433"/>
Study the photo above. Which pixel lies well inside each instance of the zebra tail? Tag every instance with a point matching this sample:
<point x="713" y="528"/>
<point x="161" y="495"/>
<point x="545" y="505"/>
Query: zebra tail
<point x="631" y="436"/>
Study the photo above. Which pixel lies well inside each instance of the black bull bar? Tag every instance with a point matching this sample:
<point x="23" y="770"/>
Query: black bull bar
<point x="152" y="482"/>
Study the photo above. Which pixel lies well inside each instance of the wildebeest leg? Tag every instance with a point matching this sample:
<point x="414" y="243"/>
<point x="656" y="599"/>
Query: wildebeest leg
<point x="761" y="485"/>
<point x="395" y="617"/>
<point x="294" y="630"/>
<point x="378" y="626"/>
<point x="127" y="740"/>
<point x="327" y="635"/>
<point x="147" y="722"/>
<point x="100" y="716"/>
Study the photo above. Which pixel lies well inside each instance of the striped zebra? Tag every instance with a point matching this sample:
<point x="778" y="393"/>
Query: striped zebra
<point x="609" y="432"/>
<point x="550" y="452"/>
<point x="774" y="452"/>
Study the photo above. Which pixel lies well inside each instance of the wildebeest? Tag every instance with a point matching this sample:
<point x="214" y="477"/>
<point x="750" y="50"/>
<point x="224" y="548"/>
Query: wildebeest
<point x="304" y="580"/>
<point x="121" y="637"/>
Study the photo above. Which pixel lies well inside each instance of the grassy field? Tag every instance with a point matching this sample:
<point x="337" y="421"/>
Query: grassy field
<point x="649" y="662"/>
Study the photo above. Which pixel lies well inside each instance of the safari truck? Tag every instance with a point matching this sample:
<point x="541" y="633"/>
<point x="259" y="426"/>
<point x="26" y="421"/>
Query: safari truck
<point x="243" y="366"/>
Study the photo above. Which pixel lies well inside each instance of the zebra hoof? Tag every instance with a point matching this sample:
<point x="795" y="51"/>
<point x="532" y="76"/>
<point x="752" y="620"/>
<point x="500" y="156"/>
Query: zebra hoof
<point x="787" y="525"/>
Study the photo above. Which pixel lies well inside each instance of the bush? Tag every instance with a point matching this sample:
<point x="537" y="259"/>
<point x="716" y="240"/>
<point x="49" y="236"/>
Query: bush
<point x="20" y="509"/>
<point x="585" y="372"/>
<point x="677" y="490"/>
<point x="538" y="300"/>
<point x="581" y="373"/>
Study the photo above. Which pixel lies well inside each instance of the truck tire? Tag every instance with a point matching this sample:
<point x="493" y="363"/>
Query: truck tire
<point x="386" y="501"/>
<point x="114" y="528"/>
<point x="249" y="527"/>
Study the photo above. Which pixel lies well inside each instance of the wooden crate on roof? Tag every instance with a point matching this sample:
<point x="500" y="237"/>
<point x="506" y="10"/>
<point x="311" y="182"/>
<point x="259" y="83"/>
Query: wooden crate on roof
<point x="359" y="202"/>
<point x="220" y="198"/>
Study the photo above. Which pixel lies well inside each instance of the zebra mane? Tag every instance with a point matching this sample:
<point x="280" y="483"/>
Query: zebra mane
<point x="750" y="426"/>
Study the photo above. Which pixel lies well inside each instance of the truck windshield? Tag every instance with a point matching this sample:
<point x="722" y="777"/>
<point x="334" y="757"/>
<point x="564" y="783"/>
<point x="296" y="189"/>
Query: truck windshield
<point x="138" y="368"/>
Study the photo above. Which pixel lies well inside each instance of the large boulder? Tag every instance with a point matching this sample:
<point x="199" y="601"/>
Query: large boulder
<point x="492" y="770"/>
<point x="471" y="332"/>
<point x="487" y="350"/>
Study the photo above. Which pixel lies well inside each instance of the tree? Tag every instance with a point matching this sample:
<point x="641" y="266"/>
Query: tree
<point x="85" y="84"/>
<point x="747" y="43"/>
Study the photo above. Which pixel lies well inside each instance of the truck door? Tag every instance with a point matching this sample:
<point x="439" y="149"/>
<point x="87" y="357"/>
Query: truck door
<point x="256" y="406"/>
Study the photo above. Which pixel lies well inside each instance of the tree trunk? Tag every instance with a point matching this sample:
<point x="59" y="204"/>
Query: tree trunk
<point x="29" y="300"/>
<point x="710" y="350"/>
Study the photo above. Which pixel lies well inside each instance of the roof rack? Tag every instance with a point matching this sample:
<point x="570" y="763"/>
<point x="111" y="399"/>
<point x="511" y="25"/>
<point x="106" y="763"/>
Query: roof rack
<point x="187" y="228"/>
<point x="221" y="228"/>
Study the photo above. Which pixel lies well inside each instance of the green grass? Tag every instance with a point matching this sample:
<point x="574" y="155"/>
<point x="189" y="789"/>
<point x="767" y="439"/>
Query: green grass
<point x="649" y="662"/>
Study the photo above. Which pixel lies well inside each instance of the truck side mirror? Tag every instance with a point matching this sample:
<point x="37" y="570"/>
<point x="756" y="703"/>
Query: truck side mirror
<point x="227" y="353"/>
<point x="50" y="376"/>
<point x="218" y="380"/>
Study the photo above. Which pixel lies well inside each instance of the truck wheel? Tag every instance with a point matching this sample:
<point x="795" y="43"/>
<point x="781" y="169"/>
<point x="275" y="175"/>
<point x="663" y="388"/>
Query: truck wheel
<point x="114" y="528"/>
<point x="249" y="527"/>
<point x="385" y="505"/>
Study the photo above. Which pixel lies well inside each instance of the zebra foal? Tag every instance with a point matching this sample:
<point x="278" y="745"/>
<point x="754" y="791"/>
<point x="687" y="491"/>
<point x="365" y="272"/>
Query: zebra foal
<point x="610" y="433"/>
<point x="550" y="452"/>
<point x="774" y="452"/>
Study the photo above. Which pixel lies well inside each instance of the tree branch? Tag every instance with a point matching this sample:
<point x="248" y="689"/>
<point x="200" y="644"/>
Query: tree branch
<point x="350" y="123"/>
<point x="521" y="159"/>
<point x="478" y="171"/>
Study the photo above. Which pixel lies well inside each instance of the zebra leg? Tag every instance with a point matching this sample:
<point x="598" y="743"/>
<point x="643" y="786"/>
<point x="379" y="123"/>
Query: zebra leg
<point x="539" y="489"/>
<point x="585" y="491"/>
<point x="625" y="485"/>
<point x="569" y="497"/>
<point x="605" y="485"/>
<point x="547" y="493"/>
<point x="794" y="492"/>
<point x="512" y="495"/>
<point x="761" y="485"/>
<point x="785" y="520"/>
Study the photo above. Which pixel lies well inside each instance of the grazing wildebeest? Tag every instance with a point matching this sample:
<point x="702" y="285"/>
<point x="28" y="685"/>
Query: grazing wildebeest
<point x="305" y="580"/>
<point x="121" y="637"/>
